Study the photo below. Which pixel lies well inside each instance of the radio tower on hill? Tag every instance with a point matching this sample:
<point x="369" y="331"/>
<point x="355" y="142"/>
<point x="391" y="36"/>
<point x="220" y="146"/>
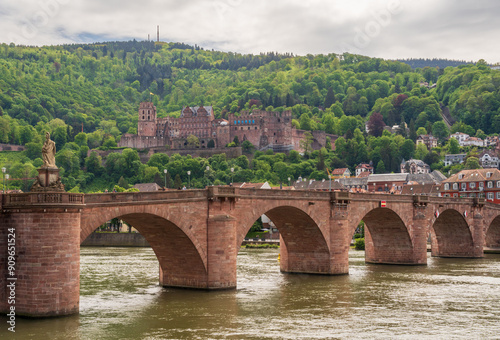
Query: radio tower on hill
<point x="158" y="33"/>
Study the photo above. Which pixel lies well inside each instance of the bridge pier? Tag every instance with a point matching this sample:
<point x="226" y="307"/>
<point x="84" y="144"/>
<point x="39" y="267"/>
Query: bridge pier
<point x="44" y="278"/>
<point x="221" y="252"/>
<point x="340" y="240"/>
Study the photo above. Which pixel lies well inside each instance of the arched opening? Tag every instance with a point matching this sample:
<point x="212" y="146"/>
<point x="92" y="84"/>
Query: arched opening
<point x="179" y="259"/>
<point x="303" y="248"/>
<point x="387" y="240"/>
<point x="492" y="239"/>
<point x="450" y="236"/>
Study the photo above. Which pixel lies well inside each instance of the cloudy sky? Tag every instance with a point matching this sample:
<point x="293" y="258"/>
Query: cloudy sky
<point x="464" y="30"/>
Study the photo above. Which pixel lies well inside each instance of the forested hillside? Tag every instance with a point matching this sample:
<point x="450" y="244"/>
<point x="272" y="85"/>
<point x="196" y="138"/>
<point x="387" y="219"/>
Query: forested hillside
<point x="87" y="96"/>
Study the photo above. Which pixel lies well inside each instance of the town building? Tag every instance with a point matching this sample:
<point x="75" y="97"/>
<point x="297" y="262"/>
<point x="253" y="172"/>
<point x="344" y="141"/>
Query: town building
<point x="473" y="141"/>
<point x="428" y="140"/>
<point x="388" y="183"/>
<point x="355" y="184"/>
<point x="363" y="167"/>
<point x="460" y="137"/>
<point x="340" y="173"/>
<point x="452" y="159"/>
<point x="414" y="166"/>
<point x="491" y="141"/>
<point x="473" y="183"/>
<point x="264" y="129"/>
<point x="489" y="159"/>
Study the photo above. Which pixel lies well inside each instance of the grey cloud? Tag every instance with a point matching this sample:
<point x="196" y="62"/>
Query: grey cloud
<point x="427" y="28"/>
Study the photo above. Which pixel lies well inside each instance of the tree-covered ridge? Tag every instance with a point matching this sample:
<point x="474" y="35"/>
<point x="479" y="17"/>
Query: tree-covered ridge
<point x="434" y="62"/>
<point x="89" y="84"/>
<point x="473" y="94"/>
<point x="97" y="88"/>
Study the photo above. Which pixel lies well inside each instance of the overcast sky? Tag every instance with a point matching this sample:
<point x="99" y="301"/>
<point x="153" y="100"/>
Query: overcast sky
<point x="391" y="29"/>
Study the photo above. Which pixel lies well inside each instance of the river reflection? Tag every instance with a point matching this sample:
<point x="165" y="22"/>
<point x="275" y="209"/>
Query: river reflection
<point x="121" y="299"/>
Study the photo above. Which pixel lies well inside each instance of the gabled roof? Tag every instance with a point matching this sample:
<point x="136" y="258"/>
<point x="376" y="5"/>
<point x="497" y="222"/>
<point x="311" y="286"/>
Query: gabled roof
<point x="434" y="177"/>
<point x="147" y="187"/>
<point x="364" y="166"/>
<point x="387" y="178"/>
<point x="420" y="189"/>
<point x="475" y="175"/>
<point x="353" y="181"/>
<point x="195" y="109"/>
<point x="339" y="171"/>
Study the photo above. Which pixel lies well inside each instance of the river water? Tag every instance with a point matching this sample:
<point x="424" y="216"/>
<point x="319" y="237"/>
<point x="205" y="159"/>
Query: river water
<point x="121" y="299"/>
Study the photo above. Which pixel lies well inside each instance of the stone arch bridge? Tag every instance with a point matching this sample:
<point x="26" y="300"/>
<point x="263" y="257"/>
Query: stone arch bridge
<point x="196" y="235"/>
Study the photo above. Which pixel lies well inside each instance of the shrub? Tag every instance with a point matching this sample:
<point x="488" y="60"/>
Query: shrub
<point x="359" y="244"/>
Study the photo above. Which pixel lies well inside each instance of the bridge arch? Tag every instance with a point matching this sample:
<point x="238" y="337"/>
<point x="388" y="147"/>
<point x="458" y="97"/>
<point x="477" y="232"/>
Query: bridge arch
<point x="180" y="255"/>
<point x="451" y="235"/>
<point x="492" y="238"/>
<point x="303" y="247"/>
<point x="387" y="239"/>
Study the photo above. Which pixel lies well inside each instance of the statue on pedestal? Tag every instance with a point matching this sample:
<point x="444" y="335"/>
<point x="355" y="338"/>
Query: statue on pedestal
<point x="48" y="179"/>
<point x="49" y="152"/>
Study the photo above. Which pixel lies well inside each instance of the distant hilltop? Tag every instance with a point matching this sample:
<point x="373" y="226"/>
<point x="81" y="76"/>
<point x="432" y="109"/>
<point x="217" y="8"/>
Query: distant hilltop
<point x="441" y="63"/>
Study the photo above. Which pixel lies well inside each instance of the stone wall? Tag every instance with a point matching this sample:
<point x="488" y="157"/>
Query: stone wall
<point x="11" y="147"/>
<point x="115" y="240"/>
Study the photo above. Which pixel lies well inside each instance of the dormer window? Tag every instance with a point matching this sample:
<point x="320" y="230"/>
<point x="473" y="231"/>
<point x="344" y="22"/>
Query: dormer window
<point x="447" y="186"/>
<point x="488" y="174"/>
<point x="460" y="176"/>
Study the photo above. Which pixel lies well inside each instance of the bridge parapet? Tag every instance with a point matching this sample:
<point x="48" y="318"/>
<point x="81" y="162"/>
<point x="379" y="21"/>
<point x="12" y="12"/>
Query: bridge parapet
<point x="42" y="198"/>
<point x="124" y="197"/>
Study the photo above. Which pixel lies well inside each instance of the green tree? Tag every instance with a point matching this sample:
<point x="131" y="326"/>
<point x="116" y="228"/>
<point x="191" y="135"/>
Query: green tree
<point x="93" y="164"/>
<point x="329" y="99"/>
<point x="440" y="130"/>
<point x="380" y="167"/>
<point x="421" y="131"/>
<point x="193" y="142"/>
<point x="453" y="146"/>
<point x="472" y="163"/>
<point x="306" y="143"/>
<point x="421" y="151"/>
<point x="81" y="139"/>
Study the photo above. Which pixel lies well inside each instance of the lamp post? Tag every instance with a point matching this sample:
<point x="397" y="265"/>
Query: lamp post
<point x="232" y="175"/>
<point x="207" y="169"/>
<point x="3" y="175"/>
<point x="165" y="172"/>
<point x="189" y="179"/>
<point x="289" y="181"/>
<point x="7" y="178"/>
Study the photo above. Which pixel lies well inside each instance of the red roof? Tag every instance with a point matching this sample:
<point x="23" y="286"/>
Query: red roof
<point x="339" y="171"/>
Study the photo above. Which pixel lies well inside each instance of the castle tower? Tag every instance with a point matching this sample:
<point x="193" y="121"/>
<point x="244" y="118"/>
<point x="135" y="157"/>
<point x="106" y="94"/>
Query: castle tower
<point x="147" y="120"/>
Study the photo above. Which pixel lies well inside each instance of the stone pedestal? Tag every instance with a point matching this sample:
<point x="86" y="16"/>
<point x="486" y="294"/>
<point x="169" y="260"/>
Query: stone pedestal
<point x="48" y="180"/>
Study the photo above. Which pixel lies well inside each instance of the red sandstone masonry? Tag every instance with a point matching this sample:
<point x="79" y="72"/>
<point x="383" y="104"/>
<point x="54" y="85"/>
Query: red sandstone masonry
<point x="196" y="235"/>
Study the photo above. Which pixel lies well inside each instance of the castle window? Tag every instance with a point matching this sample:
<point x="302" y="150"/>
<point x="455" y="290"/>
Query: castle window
<point x="255" y="128"/>
<point x="447" y="186"/>
<point x="249" y="128"/>
<point x="253" y="121"/>
<point x="235" y="123"/>
<point x="239" y="122"/>
<point x="236" y="128"/>
<point x="246" y="121"/>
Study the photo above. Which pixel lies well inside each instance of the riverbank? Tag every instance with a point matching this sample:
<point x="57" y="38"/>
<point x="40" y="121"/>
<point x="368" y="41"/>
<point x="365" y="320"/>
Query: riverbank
<point x="115" y="240"/>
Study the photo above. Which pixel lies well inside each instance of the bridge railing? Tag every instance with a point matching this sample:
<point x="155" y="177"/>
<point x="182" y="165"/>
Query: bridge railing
<point x="38" y="198"/>
<point x="117" y="197"/>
